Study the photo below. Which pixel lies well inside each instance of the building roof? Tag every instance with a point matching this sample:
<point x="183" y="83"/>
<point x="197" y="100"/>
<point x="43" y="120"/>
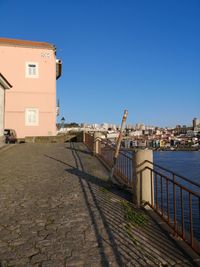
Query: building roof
<point x="25" y="43"/>
<point x="4" y="83"/>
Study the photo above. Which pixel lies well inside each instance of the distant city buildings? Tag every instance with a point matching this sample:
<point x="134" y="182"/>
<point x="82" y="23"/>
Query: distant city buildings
<point x="142" y="136"/>
<point x="196" y="125"/>
<point x="195" y="122"/>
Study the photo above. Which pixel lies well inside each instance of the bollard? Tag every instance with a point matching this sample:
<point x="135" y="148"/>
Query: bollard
<point x="143" y="183"/>
<point x="97" y="143"/>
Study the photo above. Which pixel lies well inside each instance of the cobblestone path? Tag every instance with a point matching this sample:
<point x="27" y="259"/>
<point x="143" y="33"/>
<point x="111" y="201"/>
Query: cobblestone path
<point x="57" y="210"/>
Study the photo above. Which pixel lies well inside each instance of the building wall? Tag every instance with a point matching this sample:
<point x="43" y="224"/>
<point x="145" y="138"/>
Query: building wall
<point x="36" y="93"/>
<point x="1" y="111"/>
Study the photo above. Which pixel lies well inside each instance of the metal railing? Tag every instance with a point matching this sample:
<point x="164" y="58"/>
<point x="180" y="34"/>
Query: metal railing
<point x="123" y="169"/>
<point x="175" y="198"/>
<point x="177" y="201"/>
<point x="89" y="141"/>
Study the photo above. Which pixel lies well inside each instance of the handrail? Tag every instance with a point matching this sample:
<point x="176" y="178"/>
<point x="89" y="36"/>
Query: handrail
<point x="177" y="203"/>
<point x="123" y="169"/>
<point x="113" y="147"/>
<point x="174" y="173"/>
<point x="173" y="201"/>
<point x="169" y="179"/>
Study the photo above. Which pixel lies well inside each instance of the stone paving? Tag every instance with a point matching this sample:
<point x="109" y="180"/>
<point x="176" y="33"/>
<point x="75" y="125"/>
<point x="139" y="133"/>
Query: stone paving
<point x="57" y="210"/>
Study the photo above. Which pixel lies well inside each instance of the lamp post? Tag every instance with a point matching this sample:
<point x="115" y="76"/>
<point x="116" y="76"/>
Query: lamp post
<point x="62" y="122"/>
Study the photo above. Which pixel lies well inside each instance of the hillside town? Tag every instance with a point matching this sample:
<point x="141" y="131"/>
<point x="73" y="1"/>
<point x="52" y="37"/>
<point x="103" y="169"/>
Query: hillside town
<point x="181" y="137"/>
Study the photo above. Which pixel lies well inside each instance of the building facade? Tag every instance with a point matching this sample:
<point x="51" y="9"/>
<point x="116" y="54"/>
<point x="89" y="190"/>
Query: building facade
<point x="4" y="84"/>
<point x="32" y="69"/>
<point x="195" y="122"/>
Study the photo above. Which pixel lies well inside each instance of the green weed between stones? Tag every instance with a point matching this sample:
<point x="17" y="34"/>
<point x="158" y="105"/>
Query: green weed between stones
<point x="129" y="232"/>
<point x="133" y="216"/>
<point x="104" y="190"/>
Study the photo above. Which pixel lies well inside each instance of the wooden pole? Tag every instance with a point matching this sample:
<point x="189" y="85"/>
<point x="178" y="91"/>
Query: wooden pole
<point x="118" y="143"/>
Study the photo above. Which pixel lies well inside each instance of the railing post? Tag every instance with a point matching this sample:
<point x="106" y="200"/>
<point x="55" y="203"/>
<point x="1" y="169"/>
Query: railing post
<point x="143" y="181"/>
<point x="97" y="143"/>
<point x="84" y="137"/>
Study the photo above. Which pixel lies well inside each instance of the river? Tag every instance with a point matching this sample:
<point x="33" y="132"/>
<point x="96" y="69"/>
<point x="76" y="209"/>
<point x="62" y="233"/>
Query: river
<point x="186" y="164"/>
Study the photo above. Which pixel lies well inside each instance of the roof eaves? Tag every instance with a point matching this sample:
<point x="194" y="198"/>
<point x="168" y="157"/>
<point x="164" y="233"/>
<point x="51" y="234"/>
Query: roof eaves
<point x="24" y="43"/>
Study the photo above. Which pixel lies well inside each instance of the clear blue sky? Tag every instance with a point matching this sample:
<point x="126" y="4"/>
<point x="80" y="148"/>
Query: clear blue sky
<point x="142" y="55"/>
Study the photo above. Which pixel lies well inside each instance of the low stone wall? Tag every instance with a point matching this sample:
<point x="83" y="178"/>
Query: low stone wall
<point x="62" y="138"/>
<point x="49" y="139"/>
<point x="2" y="141"/>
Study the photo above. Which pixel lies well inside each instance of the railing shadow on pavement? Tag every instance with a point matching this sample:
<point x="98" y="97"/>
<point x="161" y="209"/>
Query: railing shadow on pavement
<point x="79" y="150"/>
<point x="99" y="183"/>
<point x="85" y="176"/>
<point x="135" y="245"/>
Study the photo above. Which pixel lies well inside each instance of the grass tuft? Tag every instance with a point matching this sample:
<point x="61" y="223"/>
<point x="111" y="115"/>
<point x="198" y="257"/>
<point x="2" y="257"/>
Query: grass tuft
<point x="132" y="216"/>
<point x="104" y="190"/>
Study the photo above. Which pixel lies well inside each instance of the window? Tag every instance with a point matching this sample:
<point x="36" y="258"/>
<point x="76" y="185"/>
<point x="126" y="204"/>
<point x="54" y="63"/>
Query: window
<point x="31" y="117"/>
<point x="31" y="70"/>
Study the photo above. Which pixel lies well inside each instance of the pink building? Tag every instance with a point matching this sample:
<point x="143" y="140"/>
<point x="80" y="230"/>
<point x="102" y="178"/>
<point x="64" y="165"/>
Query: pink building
<point x="32" y="69"/>
<point x="4" y="84"/>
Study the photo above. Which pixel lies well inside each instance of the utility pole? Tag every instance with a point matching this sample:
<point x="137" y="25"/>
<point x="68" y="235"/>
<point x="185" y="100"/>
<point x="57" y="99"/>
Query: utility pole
<point x="118" y="143"/>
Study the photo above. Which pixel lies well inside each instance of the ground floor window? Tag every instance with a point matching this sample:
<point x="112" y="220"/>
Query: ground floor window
<point x="31" y="117"/>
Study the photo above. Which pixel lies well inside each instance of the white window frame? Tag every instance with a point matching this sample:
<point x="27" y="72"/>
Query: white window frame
<point x="27" y="122"/>
<point x="27" y="74"/>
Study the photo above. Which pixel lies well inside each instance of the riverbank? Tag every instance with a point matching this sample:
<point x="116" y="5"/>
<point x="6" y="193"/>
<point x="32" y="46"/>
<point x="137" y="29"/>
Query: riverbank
<point x="181" y="149"/>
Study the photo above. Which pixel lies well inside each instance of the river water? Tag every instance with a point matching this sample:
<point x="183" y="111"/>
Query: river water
<point x="186" y="164"/>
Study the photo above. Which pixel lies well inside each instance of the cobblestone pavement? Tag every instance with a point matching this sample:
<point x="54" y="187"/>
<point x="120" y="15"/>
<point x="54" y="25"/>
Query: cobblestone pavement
<point x="57" y="210"/>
